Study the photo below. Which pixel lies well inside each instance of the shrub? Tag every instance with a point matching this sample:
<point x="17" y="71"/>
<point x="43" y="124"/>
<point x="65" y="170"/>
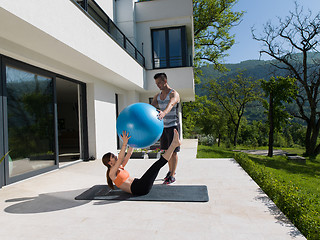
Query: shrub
<point x="207" y="140"/>
<point x="298" y="207"/>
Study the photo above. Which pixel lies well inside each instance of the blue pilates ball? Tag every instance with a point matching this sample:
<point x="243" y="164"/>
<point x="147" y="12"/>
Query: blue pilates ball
<point x="141" y="121"/>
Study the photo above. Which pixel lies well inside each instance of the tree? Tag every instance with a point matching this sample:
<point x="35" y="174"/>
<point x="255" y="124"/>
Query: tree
<point x="213" y="20"/>
<point x="189" y="126"/>
<point x="233" y="95"/>
<point x="204" y="116"/>
<point x="298" y="33"/>
<point x="253" y="133"/>
<point x="280" y="90"/>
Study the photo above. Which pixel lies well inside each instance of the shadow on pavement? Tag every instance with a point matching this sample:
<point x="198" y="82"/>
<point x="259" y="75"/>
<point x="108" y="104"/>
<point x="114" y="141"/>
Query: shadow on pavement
<point x="46" y="202"/>
<point x="279" y="216"/>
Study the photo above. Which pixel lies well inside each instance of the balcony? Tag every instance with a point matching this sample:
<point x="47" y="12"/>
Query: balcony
<point x="170" y="48"/>
<point x="99" y="17"/>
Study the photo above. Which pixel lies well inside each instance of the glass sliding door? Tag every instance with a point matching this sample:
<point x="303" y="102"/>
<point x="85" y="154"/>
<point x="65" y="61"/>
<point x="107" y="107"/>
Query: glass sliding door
<point x="40" y="113"/>
<point x="30" y="121"/>
<point x="69" y="114"/>
<point x="2" y="151"/>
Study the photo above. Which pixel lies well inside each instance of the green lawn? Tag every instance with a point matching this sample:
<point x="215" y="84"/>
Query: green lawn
<point x="213" y="152"/>
<point x="305" y="177"/>
<point x="294" y="187"/>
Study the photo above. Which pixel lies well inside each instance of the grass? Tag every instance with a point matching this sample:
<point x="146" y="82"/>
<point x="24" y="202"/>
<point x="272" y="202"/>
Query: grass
<point x="306" y="177"/>
<point x="213" y="152"/>
<point x="294" y="187"/>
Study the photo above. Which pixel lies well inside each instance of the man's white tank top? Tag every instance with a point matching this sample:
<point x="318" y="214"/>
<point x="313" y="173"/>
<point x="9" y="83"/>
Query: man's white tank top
<point x="172" y="118"/>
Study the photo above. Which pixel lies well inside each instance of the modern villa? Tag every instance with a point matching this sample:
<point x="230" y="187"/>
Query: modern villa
<point x="68" y="68"/>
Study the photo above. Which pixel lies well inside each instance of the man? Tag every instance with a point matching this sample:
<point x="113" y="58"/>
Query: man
<point x="167" y="101"/>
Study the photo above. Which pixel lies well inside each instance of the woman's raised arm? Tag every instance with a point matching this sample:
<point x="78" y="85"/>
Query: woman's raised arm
<point x="121" y="157"/>
<point x="127" y="157"/>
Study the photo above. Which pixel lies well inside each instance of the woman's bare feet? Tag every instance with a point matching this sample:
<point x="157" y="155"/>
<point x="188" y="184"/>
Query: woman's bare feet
<point x="175" y="143"/>
<point x="176" y="140"/>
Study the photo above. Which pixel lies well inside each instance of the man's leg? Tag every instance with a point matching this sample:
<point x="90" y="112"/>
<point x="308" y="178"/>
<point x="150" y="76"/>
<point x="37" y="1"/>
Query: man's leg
<point x="173" y="164"/>
<point x="170" y="178"/>
<point x="174" y="159"/>
<point x="164" y="144"/>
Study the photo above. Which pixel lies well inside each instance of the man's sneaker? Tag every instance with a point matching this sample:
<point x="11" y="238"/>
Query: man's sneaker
<point x="169" y="180"/>
<point x="166" y="177"/>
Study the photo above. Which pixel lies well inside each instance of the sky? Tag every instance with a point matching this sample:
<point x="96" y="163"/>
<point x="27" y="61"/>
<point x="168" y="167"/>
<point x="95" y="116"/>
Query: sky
<point x="257" y="13"/>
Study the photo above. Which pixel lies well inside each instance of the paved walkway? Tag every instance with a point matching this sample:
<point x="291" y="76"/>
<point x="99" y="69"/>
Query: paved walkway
<point x="43" y="207"/>
<point x="264" y="152"/>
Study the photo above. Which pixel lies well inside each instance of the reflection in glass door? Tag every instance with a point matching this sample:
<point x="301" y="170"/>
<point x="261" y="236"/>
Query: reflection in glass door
<point x="69" y="114"/>
<point x="31" y="138"/>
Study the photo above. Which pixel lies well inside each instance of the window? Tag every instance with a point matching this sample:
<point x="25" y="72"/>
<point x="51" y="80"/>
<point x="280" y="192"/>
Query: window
<point x="169" y="47"/>
<point x="30" y="121"/>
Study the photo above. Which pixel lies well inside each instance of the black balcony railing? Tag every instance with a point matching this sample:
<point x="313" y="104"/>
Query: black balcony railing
<point x="98" y="16"/>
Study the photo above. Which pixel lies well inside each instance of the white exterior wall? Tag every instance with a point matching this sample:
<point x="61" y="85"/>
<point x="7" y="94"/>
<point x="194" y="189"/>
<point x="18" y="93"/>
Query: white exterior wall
<point x="71" y="39"/>
<point x="41" y="34"/>
<point x="163" y="9"/>
<point x="91" y="112"/>
<point x="161" y="14"/>
<point x="125" y="19"/>
<point x="180" y="79"/>
<point x="57" y="36"/>
<point x="108" y="7"/>
<point x="102" y="115"/>
<point x="103" y="122"/>
<point x="144" y="36"/>
<point x="105" y="118"/>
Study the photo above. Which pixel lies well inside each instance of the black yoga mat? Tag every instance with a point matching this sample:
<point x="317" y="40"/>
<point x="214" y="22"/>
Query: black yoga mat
<point x="159" y="192"/>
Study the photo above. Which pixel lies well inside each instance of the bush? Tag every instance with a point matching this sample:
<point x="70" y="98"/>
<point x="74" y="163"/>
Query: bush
<point x="299" y="208"/>
<point x="207" y="140"/>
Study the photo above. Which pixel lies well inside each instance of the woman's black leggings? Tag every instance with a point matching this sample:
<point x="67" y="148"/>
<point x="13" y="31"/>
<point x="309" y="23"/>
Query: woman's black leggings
<point x="143" y="185"/>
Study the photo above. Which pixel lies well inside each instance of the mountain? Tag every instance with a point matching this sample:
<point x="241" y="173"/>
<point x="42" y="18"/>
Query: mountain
<point x="255" y="69"/>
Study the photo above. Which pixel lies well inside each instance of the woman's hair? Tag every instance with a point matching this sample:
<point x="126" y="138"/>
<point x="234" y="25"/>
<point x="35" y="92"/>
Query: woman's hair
<point x="105" y="161"/>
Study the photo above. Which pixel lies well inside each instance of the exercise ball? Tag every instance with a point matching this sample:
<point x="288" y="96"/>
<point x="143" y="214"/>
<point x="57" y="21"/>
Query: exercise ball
<point x="141" y="121"/>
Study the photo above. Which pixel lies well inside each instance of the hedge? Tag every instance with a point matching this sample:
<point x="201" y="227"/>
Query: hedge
<point x="298" y="207"/>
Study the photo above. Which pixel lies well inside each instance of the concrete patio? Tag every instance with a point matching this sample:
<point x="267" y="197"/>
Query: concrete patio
<point x="43" y="207"/>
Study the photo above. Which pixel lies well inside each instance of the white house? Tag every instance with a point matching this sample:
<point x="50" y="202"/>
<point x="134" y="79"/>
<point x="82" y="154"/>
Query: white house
<point x="68" y="67"/>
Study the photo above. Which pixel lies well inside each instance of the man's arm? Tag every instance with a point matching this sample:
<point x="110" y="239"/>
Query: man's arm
<point x="174" y="99"/>
<point x="155" y="101"/>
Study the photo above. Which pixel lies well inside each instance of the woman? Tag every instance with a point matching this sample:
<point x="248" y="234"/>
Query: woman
<point x="120" y="177"/>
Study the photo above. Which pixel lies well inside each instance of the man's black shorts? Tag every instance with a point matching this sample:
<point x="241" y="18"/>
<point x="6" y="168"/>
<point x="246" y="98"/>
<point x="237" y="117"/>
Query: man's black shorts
<point x="167" y="136"/>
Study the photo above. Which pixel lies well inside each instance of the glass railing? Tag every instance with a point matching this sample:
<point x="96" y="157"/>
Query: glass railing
<point x="97" y="15"/>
